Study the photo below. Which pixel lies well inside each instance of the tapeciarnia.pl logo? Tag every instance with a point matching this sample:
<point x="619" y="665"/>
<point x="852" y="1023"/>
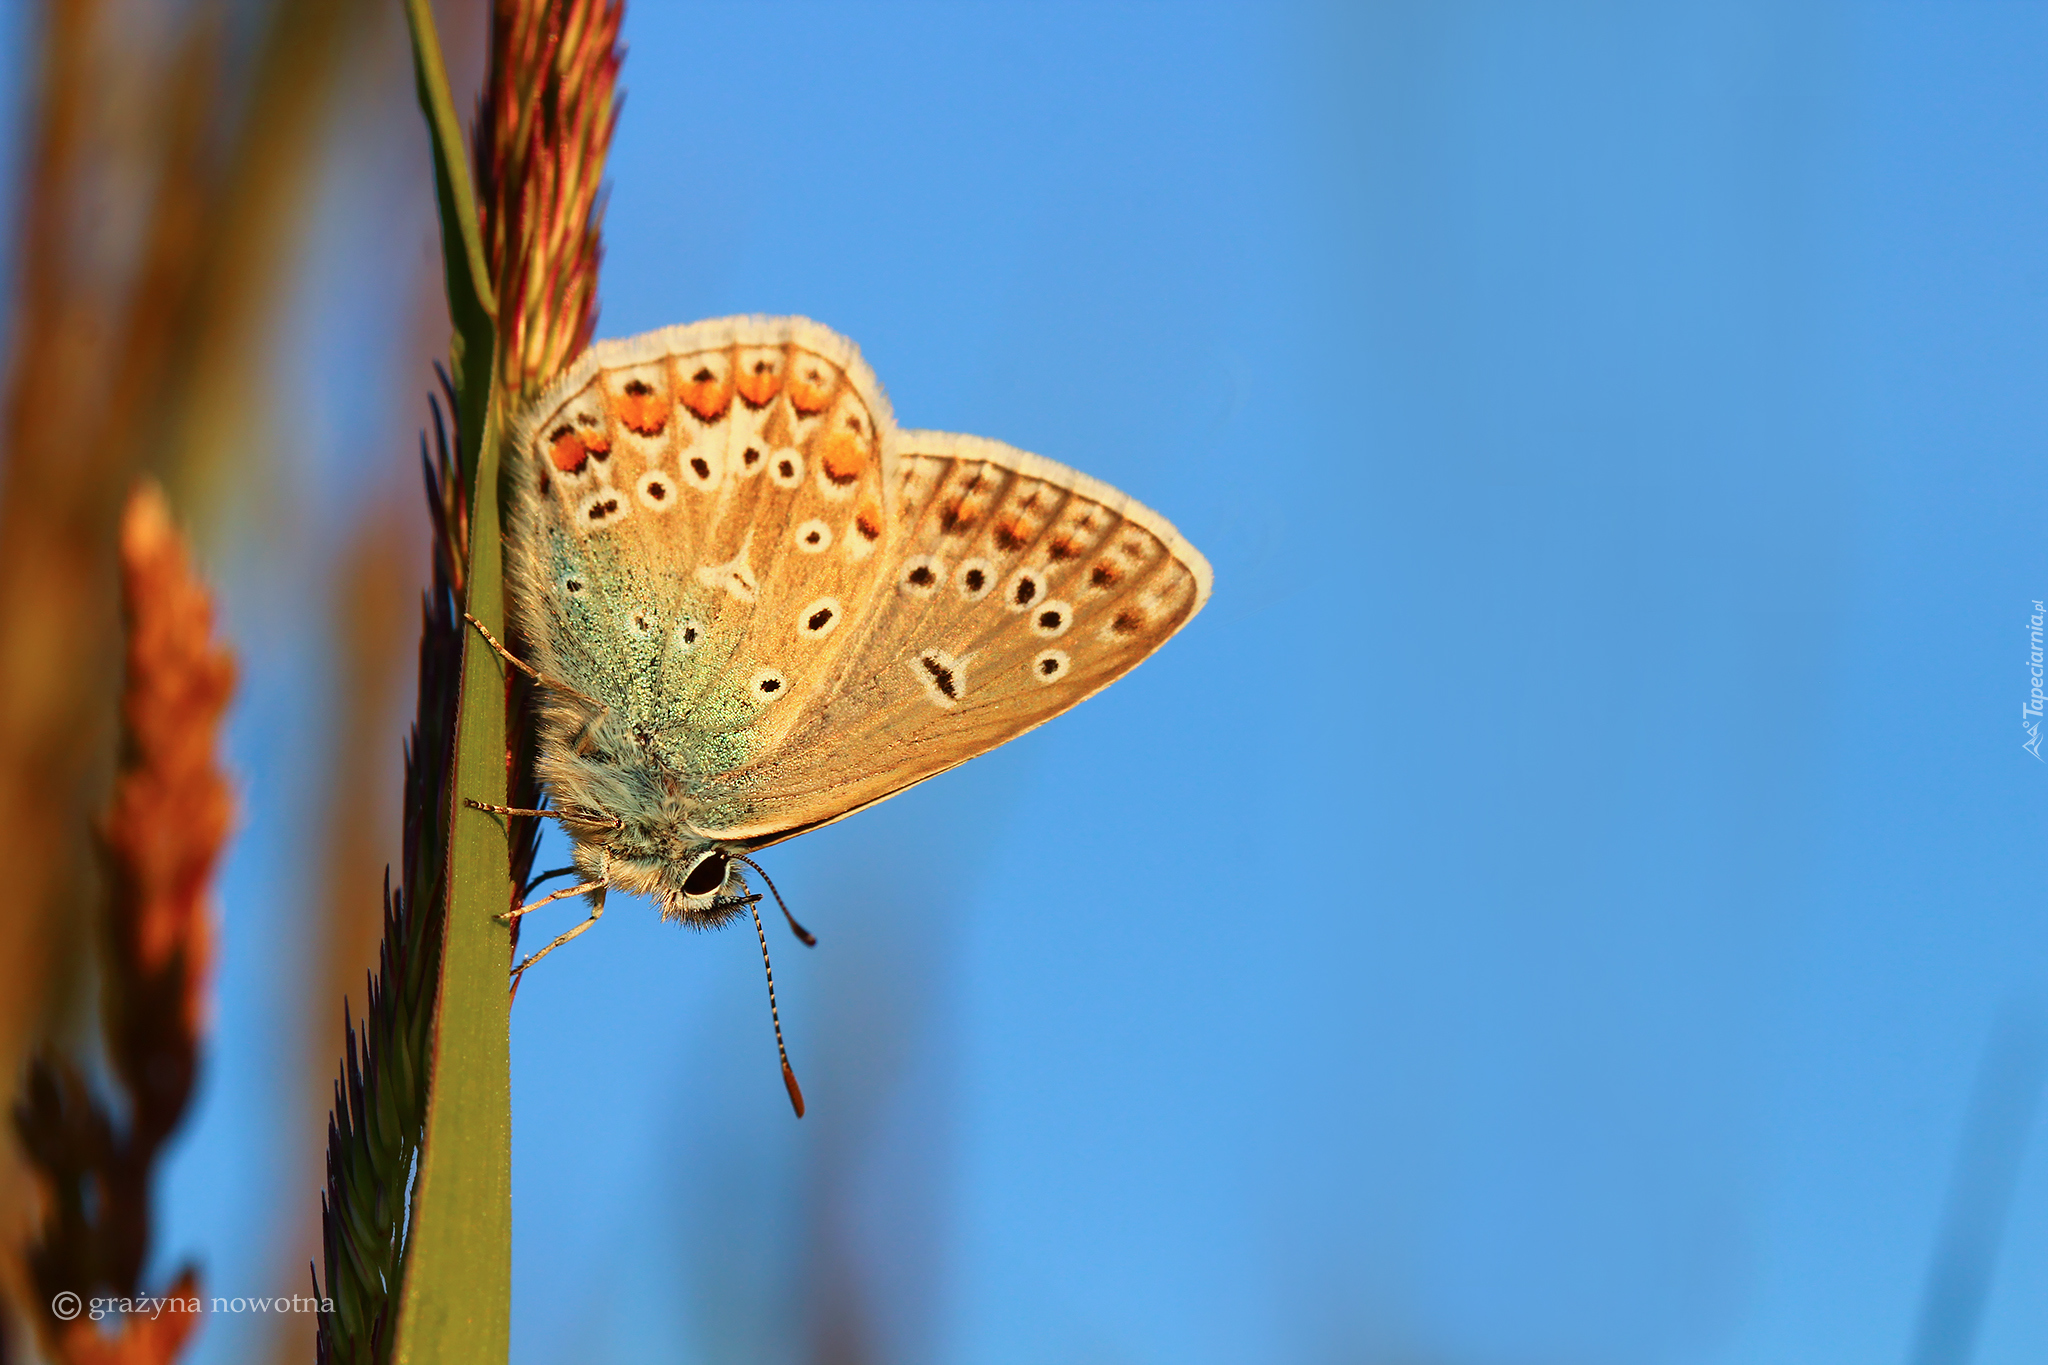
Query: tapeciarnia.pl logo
<point x="2030" y="714"/>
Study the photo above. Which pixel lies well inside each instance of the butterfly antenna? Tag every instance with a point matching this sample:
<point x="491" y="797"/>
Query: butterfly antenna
<point x="803" y="935"/>
<point x="796" y="1096"/>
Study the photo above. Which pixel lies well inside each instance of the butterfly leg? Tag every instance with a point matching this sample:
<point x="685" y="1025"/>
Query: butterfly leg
<point x="524" y="667"/>
<point x="596" y="914"/>
<point x="507" y="655"/>
<point x="548" y="876"/>
<point x="531" y="906"/>
<point x="473" y="804"/>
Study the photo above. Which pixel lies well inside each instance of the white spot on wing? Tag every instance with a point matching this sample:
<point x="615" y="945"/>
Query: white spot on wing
<point x="1051" y="619"/>
<point x="767" y="685"/>
<point x="942" y="676"/>
<point x="1050" y="666"/>
<point x="701" y="465"/>
<point x="813" y="537"/>
<point x="602" y="508"/>
<point x="921" y="575"/>
<point x="734" y="576"/>
<point x="656" y="490"/>
<point x="786" y="467"/>
<point x="975" y="578"/>
<point x="820" y="618"/>
<point x="1025" y="589"/>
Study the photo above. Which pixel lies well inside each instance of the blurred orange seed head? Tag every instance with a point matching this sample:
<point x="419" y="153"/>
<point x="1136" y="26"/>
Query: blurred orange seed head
<point x="172" y="807"/>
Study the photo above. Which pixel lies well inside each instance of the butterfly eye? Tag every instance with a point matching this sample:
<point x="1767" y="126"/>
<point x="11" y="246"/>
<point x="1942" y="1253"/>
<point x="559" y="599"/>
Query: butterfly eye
<point x="974" y="579"/>
<point x="1052" y="619"/>
<point x="707" y="876"/>
<point x="786" y="467"/>
<point x="813" y="537"/>
<point x="1050" y="665"/>
<point x="921" y="575"/>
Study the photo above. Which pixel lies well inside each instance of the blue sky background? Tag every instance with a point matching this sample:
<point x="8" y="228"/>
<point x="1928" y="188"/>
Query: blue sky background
<point x="1554" y="905"/>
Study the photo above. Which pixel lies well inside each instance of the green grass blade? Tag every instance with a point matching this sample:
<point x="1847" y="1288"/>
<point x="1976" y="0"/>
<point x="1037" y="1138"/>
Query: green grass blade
<point x="457" y="1303"/>
<point x="471" y="306"/>
<point x="455" y="1307"/>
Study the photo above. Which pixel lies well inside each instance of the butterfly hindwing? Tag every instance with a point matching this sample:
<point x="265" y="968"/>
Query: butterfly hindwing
<point x="1019" y="588"/>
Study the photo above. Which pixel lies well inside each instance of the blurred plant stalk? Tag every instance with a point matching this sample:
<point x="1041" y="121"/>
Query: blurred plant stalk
<point x="164" y="197"/>
<point x="160" y="840"/>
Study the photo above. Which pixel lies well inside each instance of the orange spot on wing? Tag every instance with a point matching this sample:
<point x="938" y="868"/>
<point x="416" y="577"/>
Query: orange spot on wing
<point x="570" y="451"/>
<point x="868" y="521"/>
<point x="706" y="389"/>
<point x="641" y="408"/>
<point x="1064" y="547"/>
<point x="759" y="375"/>
<point x="811" y="382"/>
<point x="843" y="456"/>
<point x="1010" y="534"/>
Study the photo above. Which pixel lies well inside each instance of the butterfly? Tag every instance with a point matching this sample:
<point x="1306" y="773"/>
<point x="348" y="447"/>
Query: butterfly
<point x="754" y="606"/>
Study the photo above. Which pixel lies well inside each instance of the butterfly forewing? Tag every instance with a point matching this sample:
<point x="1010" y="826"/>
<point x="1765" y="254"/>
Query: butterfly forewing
<point x="794" y="610"/>
<point x="687" y="493"/>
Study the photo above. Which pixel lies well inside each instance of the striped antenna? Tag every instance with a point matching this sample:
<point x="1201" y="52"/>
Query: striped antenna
<point x="796" y="1095"/>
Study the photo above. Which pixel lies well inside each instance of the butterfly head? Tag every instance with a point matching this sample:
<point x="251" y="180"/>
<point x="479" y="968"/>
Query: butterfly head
<point x="704" y="892"/>
<point x="693" y="881"/>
